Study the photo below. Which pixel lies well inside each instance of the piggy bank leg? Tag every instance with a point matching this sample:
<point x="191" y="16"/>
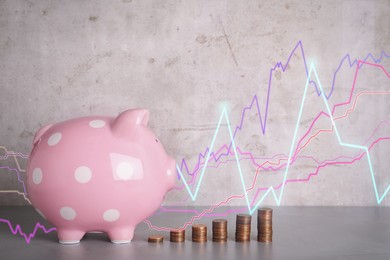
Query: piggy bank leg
<point x="68" y="237"/>
<point x="121" y="235"/>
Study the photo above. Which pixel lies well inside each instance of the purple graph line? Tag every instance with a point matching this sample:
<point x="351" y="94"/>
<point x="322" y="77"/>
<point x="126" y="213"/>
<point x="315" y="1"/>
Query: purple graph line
<point x="298" y="46"/>
<point x="320" y="165"/>
<point x="295" y="158"/>
<point x="239" y="127"/>
<point x="18" y="230"/>
<point x="18" y="174"/>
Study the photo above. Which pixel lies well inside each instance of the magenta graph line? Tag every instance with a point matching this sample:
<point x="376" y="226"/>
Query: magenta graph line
<point x="299" y="46"/>
<point x="307" y="179"/>
<point x="322" y="113"/>
<point x="207" y="211"/>
<point x="263" y="126"/>
<point x="18" y="230"/>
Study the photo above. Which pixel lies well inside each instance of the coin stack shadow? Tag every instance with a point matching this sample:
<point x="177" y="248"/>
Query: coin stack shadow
<point x="220" y="230"/>
<point x="264" y="225"/>
<point x="177" y="235"/>
<point x="199" y="233"/>
<point x="243" y="228"/>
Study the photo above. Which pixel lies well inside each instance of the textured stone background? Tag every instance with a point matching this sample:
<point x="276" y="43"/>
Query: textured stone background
<point x="184" y="60"/>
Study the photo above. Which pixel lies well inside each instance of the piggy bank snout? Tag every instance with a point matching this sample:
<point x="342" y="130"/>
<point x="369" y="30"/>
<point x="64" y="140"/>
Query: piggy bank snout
<point x="171" y="173"/>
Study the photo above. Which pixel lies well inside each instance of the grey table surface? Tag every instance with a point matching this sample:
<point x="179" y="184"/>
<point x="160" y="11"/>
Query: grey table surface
<point x="299" y="233"/>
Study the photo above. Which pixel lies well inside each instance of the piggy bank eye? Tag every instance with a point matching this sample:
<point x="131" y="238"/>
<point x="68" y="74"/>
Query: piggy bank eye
<point x="156" y="140"/>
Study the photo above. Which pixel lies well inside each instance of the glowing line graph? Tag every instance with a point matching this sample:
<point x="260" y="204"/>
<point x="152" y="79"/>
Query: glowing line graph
<point x="284" y="156"/>
<point x="348" y="111"/>
<point x="255" y="102"/>
<point x="208" y="212"/>
<point x="323" y="163"/>
<point x="224" y="115"/>
<point x="299" y="150"/>
<point x="298" y="47"/>
<point x="351" y="109"/>
<point x="320" y="166"/>
<point x="364" y="148"/>
<point x="353" y="145"/>
<point x="312" y="70"/>
<point x="313" y="122"/>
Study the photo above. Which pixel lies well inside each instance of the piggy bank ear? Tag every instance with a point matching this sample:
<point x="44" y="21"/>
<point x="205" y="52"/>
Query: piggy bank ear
<point x="39" y="133"/>
<point x="127" y="121"/>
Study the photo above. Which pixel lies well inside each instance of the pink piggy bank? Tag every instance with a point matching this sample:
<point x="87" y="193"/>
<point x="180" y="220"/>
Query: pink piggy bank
<point x="98" y="174"/>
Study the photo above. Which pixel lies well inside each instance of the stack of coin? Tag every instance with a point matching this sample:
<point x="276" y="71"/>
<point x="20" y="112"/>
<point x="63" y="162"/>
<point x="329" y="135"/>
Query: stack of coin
<point x="243" y="228"/>
<point x="156" y="239"/>
<point x="177" y="235"/>
<point x="220" y="230"/>
<point x="264" y="225"/>
<point x="199" y="233"/>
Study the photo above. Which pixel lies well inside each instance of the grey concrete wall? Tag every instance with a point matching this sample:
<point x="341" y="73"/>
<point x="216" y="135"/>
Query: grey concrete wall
<point x="184" y="60"/>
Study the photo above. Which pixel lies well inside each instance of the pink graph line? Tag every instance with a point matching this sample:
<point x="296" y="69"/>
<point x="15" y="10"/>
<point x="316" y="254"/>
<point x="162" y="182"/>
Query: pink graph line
<point x="359" y="63"/>
<point x="205" y="213"/>
<point x="307" y="179"/>
<point x="214" y="206"/>
<point x="355" y="78"/>
<point x="322" y="113"/>
<point x="255" y="103"/>
<point x="28" y="238"/>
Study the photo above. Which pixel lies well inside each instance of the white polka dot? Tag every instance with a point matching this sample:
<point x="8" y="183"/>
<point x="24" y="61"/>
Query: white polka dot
<point x="97" y="123"/>
<point x="169" y="172"/>
<point x="68" y="213"/>
<point x="111" y="215"/>
<point x="37" y="176"/>
<point x="83" y="174"/>
<point x="54" y="139"/>
<point x="124" y="170"/>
